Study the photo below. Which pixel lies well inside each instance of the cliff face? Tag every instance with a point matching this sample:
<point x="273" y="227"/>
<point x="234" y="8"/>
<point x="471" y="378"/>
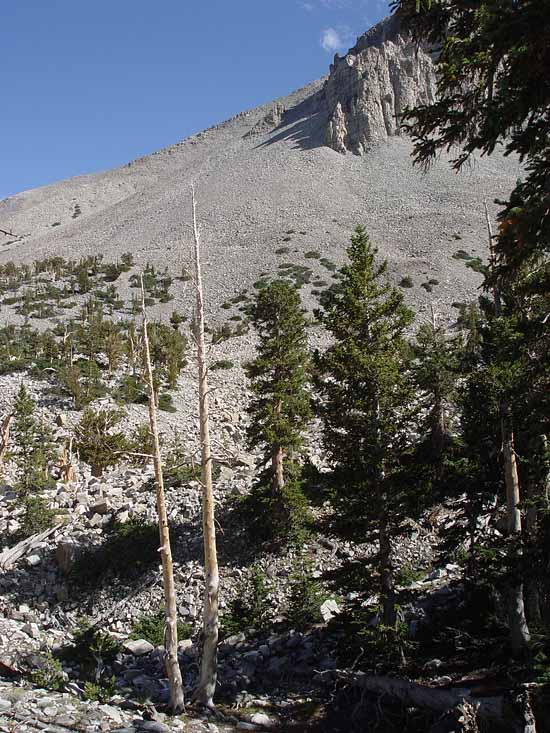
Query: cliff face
<point x="369" y="87"/>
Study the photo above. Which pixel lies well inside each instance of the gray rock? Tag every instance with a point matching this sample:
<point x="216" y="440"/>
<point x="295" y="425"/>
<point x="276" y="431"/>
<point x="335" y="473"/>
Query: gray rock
<point x="329" y="609"/>
<point x="138" y="647"/>
<point x="370" y="86"/>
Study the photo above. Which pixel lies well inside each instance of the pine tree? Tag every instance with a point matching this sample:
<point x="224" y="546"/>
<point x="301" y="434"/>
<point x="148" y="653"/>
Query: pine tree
<point x="435" y="376"/>
<point x="34" y="444"/>
<point x="366" y="396"/>
<point x="280" y="408"/>
<point x="98" y="442"/>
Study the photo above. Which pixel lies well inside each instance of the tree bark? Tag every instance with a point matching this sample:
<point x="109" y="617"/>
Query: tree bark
<point x="277" y="474"/>
<point x="206" y="687"/>
<point x="171" y="627"/>
<point x="519" y="631"/>
<point x="387" y="589"/>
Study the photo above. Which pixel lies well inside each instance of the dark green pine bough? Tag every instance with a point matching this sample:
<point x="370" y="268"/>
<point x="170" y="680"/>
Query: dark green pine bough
<point x="366" y="395"/>
<point x="280" y="408"/>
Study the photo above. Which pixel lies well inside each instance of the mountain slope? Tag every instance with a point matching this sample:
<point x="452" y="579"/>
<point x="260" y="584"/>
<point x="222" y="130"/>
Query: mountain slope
<point x="259" y="175"/>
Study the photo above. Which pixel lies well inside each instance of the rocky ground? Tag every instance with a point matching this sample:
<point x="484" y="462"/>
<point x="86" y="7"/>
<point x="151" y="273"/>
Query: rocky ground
<point x="42" y="603"/>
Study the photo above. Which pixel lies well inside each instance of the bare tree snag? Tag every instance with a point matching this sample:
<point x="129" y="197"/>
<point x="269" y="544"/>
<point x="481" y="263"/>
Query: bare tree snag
<point x="206" y="687"/>
<point x="66" y="467"/>
<point x="171" y="628"/>
<point x="519" y="631"/>
<point x="5" y="436"/>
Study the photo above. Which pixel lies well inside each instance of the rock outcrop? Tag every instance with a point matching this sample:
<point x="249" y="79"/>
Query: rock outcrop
<point x="367" y="89"/>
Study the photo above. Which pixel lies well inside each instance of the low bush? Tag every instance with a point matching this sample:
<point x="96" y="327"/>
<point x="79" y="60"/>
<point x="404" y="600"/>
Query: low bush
<point x="222" y="364"/>
<point x="251" y="608"/>
<point x="406" y="282"/>
<point x="150" y="627"/>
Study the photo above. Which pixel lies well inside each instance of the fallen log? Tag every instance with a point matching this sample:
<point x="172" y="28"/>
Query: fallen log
<point x="507" y="712"/>
<point x="10" y="556"/>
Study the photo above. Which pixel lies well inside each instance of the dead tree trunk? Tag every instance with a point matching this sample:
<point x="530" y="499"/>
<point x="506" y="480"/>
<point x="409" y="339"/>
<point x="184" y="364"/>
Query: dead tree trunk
<point x="171" y="627"/>
<point x="5" y="436"/>
<point x="519" y="631"/>
<point x="209" y="663"/>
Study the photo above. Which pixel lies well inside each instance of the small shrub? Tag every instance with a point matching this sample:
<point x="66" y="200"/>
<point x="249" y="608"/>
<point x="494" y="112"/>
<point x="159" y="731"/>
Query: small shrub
<point x="328" y="264"/>
<point x="305" y="600"/>
<point x="101" y="691"/>
<point x="226" y="306"/>
<point x="99" y="444"/>
<point x="48" y="673"/>
<point x="407" y="575"/>
<point x="433" y="281"/>
<point x="150" y="627"/>
<point x="476" y="264"/>
<point x="222" y="364"/>
<point x="427" y="287"/>
<point x="461" y="254"/>
<point x="252" y="607"/>
<point x="312" y="254"/>
<point x="287" y="239"/>
<point x="166" y="403"/>
<point x="406" y="282"/>
<point x="36" y="518"/>
<point x="282" y="250"/>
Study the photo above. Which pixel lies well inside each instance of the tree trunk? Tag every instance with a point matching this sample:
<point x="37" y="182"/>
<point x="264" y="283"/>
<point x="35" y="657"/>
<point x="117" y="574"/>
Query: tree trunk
<point x="387" y="588"/>
<point x="277" y="474"/>
<point x="171" y="627"/>
<point x="5" y="436"/>
<point x="209" y="663"/>
<point x="519" y="631"/>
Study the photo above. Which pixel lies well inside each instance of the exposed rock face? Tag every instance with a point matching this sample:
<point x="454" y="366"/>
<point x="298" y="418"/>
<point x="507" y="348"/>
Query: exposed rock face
<point x="368" y="88"/>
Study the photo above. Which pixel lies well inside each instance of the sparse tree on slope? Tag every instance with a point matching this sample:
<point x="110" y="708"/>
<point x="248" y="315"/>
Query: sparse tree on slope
<point x="366" y="396"/>
<point x="280" y="408"/>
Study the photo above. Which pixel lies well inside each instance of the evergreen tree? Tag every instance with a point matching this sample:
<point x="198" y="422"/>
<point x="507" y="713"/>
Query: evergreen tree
<point x="34" y="444"/>
<point x="435" y="377"/>
<point x="98" y="442"/>
<point x="280" y="408"/>
<point x="366" y="394"/>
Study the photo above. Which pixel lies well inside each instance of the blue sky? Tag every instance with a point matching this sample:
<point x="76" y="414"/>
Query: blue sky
<point x="91" y="84"/>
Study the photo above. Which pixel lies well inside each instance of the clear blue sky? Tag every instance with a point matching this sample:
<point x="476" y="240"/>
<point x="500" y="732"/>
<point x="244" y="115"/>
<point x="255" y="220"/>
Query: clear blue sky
<point x="91" y="84"/>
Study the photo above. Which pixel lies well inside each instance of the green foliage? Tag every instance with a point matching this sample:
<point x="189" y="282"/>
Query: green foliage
<point x="252" y="607"/>
<point x="34" y="445"/>
<point x="48" y="673"/>
<point x="305" y="600"/>
<point x="406" y="282"/>
<point x="165" y="403"/>
<point x="363" y="381"/>
<point x="101" y="691"/>
<point x="312" y="254"/>
<point x="37" y="517"/>
<point x="98" y="442"/>
<point x="280" y="408"/>
<point x="380" y="648"/>
<point x="222" y="364"/>
<point x="282" y="250"/>
<point x="125" y="551"/>
<point x="150" y="626"/>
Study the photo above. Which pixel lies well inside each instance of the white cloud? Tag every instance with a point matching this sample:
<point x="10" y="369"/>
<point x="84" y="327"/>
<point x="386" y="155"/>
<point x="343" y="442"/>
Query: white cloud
<point x="330" y="40"/>
<point x="335" y="39"/>
<point x="308" y="7"/>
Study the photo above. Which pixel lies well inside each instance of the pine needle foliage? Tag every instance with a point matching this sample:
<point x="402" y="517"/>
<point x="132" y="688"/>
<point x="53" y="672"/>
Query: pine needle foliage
<point x="280" y="407"/>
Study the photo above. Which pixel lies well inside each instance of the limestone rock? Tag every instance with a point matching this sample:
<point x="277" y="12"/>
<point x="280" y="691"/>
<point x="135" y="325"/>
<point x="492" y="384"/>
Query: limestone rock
<point x="368" y="89"/>
<point x="137" y="647"/>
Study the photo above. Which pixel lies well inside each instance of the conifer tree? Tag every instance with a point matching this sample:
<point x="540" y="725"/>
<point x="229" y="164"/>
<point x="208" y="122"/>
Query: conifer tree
<point x="280" y="408"/>
<point x="366" y="396"/>
<point x="435" y="377"/>
<point x="34" y="444"/>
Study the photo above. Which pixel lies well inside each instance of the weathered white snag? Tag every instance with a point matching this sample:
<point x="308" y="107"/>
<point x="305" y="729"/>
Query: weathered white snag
<point x="171" y="628"/>
<point x="206" y="688"/>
